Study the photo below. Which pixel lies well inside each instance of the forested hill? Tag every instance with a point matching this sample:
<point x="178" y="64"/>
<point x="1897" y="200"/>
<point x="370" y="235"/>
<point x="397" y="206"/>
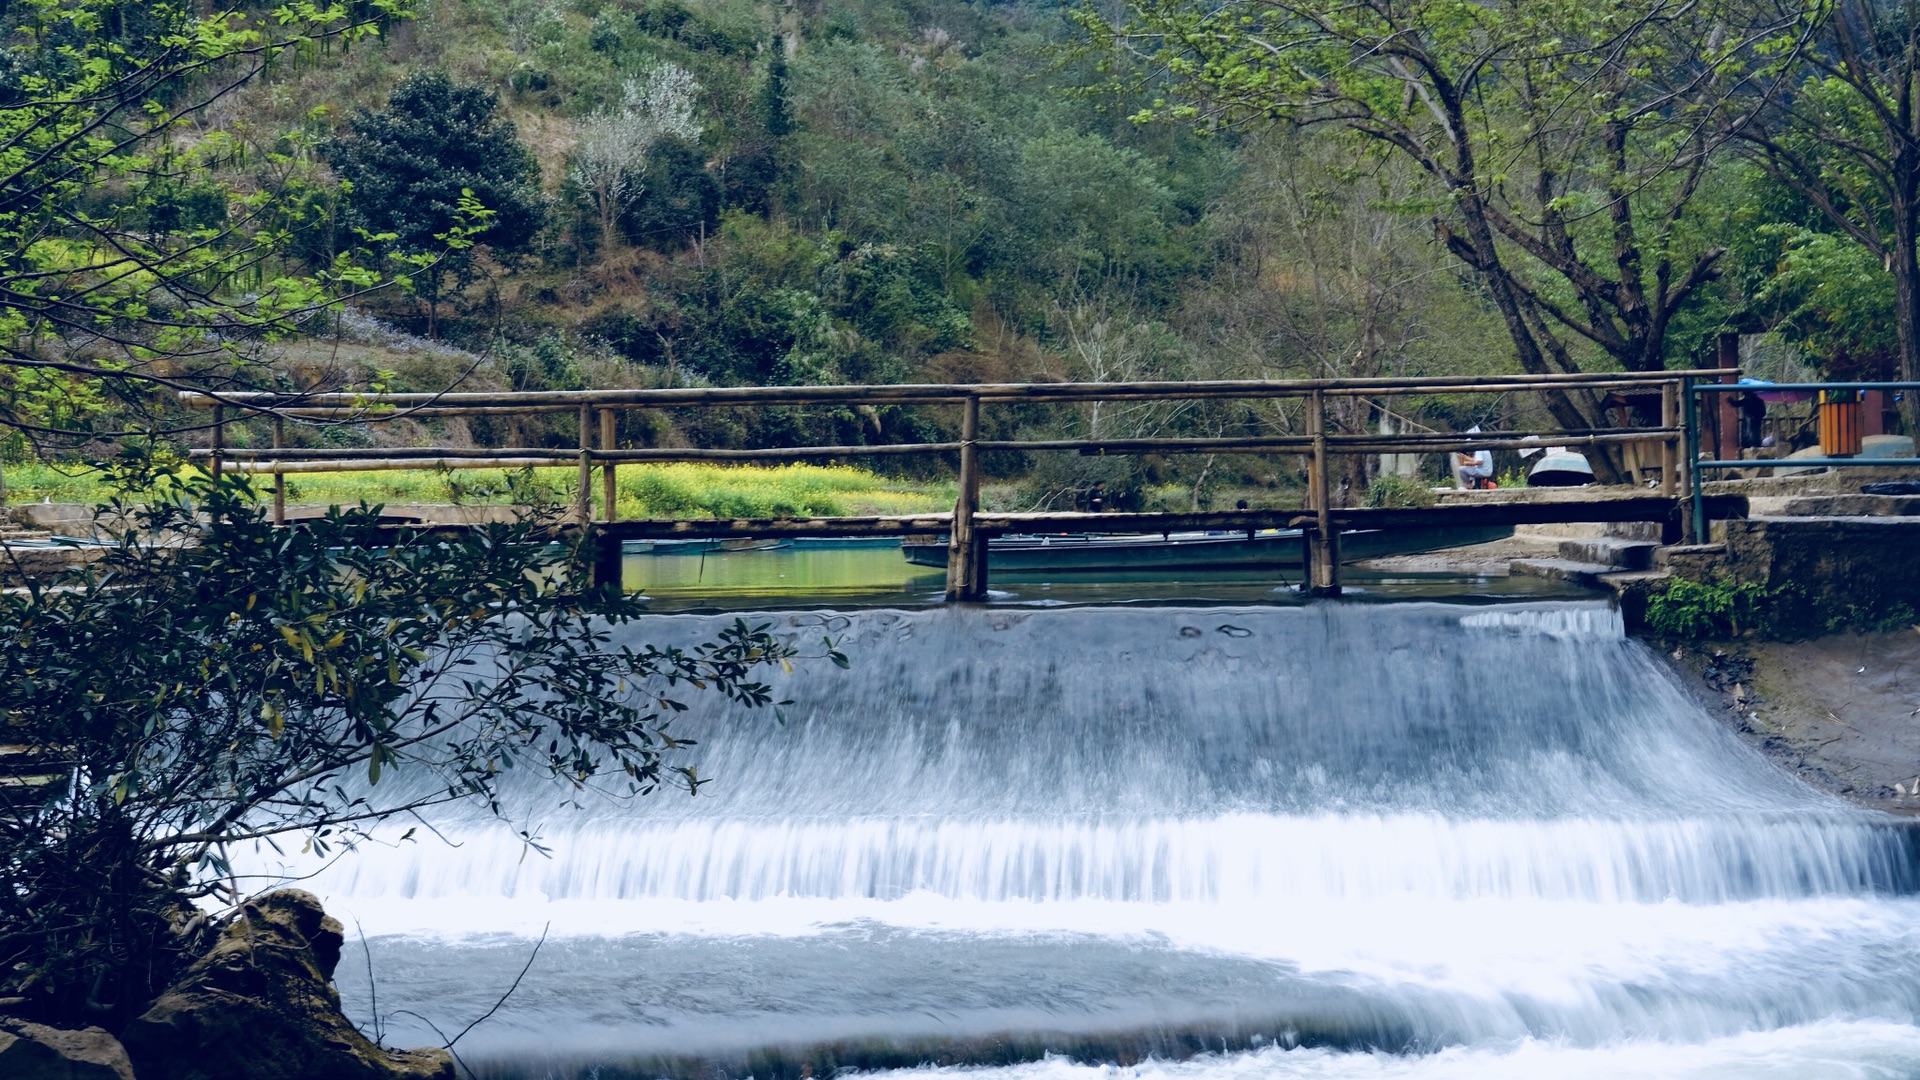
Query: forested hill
<point x="864" y="192"/>
<point x="550" y="194"/>
<point x="846" y="191"/>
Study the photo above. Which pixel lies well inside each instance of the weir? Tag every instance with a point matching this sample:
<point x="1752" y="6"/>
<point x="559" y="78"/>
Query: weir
<point x="1333" y="840"/>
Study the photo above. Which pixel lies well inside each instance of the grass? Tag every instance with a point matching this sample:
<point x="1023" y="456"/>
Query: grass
<point x="674" y="490"/>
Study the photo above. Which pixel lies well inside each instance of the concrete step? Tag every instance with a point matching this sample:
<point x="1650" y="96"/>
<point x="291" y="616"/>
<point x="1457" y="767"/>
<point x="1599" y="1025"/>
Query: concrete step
<point x="1688" y="555"/>
<point x="1609" y="551"/>
<point x="1583" y="530"/>
<point x="1578" y="573"/>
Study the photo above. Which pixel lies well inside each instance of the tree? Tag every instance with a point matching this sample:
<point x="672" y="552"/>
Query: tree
<point x="417" y="166"/>
<point x="1847" y="140"/>
<point x="1329" y="269"/>
<point x="610" y="161"/>
<point x="757" y="174"/>
<point x="122" y="270"/>
<point x="1563" y="139"/>
<point x="680" y="200"/>
<point x="214" y="681"/>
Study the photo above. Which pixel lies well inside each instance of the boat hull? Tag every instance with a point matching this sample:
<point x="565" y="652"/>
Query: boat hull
<point x="1274" y="549"/>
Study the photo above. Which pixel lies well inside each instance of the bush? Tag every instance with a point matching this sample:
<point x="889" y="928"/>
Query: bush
<point x="1388" y="489"/>
<point x="1703" y="610"/>
<point x="1714" y="610"/>
<point x="214" y="681"/>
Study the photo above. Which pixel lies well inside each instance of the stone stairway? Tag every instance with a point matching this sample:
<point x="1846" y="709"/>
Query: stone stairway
<point x="1591" y="560"/>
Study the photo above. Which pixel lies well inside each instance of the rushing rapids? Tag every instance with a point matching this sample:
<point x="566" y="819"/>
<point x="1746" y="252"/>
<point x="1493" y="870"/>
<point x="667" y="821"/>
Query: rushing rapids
<point x="1203" y="843"/>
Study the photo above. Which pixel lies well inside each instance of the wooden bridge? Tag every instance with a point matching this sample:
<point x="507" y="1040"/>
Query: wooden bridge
<point x="1660" y="450"/>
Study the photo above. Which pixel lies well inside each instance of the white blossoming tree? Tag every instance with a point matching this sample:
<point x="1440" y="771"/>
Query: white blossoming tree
<point x="610" y="160"/>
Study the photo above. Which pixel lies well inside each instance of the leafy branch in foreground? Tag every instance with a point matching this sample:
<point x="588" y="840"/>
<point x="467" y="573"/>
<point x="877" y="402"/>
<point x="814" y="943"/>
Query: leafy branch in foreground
<point x="214" y="680"/>
<point x="125" y="267"/>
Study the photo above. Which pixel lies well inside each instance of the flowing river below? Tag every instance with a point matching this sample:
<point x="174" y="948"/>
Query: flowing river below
<point x="1172" y="840"/>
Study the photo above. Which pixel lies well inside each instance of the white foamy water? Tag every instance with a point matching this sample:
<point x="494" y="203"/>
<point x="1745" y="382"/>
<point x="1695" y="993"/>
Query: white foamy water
<point x="1339" y="841"/>
<point x="1834" y="1051"/>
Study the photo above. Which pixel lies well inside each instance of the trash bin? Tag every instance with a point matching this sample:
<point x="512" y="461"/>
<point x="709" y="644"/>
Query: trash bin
<point x="1840" y="423"/>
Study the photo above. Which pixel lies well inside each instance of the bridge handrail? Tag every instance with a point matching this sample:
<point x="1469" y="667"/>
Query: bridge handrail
<point x="931" y="393"/>
<point x="597" y="409"/>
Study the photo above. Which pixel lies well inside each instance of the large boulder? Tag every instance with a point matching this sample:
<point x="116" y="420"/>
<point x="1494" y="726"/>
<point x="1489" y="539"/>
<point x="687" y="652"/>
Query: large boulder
<point x="260" y="1005"/>
<point x="37" y="1052"/>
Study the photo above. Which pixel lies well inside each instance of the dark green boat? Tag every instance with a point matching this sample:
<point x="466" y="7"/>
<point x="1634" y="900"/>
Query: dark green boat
<point x="1266" y="549"/>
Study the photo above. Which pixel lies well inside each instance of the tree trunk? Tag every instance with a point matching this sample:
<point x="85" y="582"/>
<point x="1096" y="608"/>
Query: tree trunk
<point x="1560" y="405"/>
<point x="1906" y="292"/>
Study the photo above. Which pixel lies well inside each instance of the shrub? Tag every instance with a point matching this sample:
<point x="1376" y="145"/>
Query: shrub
<point x="1388" y="489"/>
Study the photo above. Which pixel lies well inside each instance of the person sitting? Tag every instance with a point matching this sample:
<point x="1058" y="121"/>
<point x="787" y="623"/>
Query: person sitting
<point x="1473" y="469"/>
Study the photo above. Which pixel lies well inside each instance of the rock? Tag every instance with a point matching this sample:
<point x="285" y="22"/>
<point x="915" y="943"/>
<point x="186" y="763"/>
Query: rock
<point x="38" y="1052"/>
<point x="260" y="1005"/>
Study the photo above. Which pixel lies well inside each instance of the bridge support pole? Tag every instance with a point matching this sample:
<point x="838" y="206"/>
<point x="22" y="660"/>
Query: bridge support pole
<point x="966" y="548"/>
<point x="216" y="442"/>
<point x="279" y="478"/>
<point x="605" y="569"/>
<point x="1675" y="530"/>
<point x="609" y="493"/>
<point x="583" y="492"/>
<point x="1323" y="542"/>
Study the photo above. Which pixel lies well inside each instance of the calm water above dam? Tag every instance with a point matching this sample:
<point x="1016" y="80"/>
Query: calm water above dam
<point x="1201" y="842"/>
<point x="874" y="573"/>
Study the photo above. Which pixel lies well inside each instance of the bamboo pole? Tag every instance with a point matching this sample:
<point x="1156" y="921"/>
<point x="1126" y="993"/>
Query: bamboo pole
<point x="279" y="478"/>
<point x="1669" y="445"/>
<point x="583" y="492"/>
<point x="301" y="468"/>
<point x="966" y="551"/>
<point x="609" y="490"/>
<point x="933" y="393"/>
<point x="215" y="440"/>
<point x="1370" y="444"/>
<point x="1323" y="568"/>
<point x="545" y="456"/>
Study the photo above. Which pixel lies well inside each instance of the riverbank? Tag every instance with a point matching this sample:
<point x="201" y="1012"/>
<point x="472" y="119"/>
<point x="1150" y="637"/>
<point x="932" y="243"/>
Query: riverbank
<point x="1842" y="710"/>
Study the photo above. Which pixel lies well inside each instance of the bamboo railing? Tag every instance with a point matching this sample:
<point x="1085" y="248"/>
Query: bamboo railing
<point x="966" y="573"/>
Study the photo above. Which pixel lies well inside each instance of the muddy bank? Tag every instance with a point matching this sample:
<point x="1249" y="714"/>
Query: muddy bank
<point x="1842" y="711"/>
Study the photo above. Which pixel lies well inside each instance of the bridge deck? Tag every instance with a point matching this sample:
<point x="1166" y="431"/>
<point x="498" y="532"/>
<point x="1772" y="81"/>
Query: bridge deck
<point x="1637" y="507"/>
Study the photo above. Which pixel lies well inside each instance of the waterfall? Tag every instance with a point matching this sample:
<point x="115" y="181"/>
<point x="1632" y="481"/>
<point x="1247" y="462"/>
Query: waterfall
<point x="1332" y="840"/>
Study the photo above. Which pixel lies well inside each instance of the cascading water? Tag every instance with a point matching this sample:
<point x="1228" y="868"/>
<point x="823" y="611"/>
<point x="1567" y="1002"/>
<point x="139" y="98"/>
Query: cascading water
<point x="1325" y="841"/>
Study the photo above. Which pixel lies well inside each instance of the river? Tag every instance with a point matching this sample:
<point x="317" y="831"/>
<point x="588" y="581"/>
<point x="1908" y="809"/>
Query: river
<point x="1042" y="840"/>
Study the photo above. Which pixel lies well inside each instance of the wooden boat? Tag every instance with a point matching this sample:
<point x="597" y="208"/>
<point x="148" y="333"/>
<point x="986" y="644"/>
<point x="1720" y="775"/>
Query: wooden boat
<point x="698" y="547"/>
<point x="1266" y="549"/>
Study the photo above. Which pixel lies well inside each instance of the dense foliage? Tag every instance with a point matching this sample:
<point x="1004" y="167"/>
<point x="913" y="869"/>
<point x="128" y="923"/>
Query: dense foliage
<point x="129" y="260"/>
<point x="646" y="192"/>
<point x="411" y="169"/>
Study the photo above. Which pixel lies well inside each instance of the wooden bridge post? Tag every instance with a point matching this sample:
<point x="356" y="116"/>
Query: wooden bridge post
<point x="279" y="478"/>
<point x="583" y="493"/>
<point x="1675" y="529"/>
<point x="608" y="558"/>
<point x="1695" y="513"/>
<point x="609" y="493"/>
<point x="1323" y="545"/>
<point x="216" y="442"/>
<point x="966" y="550"/>
<point x="1670" y="444"/>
